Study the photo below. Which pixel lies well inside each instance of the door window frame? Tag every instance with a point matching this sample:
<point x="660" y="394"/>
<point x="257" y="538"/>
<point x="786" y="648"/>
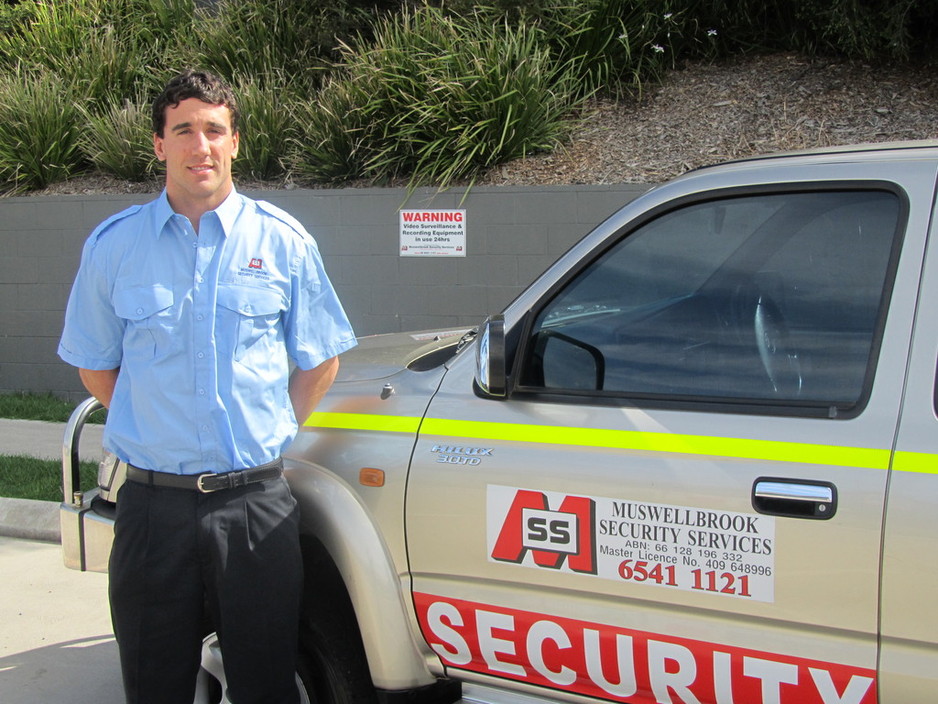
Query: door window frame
<point x="524" y="342"/>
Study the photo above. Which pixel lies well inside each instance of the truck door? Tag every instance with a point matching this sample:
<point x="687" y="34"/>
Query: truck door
<point x="909" y="661"/>
<point x="681" y="498"/>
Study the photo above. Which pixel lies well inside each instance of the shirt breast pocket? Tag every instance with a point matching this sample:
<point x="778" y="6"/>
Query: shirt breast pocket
<point x="150" y="322"/>
<point x="247" y="319"/>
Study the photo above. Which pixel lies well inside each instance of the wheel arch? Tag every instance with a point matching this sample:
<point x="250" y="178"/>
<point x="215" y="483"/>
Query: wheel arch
<point x="335" y="525"/>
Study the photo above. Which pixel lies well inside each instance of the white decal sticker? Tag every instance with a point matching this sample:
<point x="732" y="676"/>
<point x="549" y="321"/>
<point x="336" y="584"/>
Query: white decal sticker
<point x="677" y="547"/>
<point x="615" y="663"/>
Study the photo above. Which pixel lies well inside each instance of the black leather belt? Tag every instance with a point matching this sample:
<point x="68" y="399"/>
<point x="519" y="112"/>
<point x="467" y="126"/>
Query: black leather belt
<point x="206" y="482"/>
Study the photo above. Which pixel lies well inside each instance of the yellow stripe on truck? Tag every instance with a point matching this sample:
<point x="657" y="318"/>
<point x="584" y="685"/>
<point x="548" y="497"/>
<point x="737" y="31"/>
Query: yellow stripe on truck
<point x="738" y="448"/>
<point x="921" y="462"/>
<point x="364" y="421"/>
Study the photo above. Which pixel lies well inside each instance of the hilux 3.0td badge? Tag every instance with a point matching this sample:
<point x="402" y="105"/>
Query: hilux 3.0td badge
<point x="457" y="454"/>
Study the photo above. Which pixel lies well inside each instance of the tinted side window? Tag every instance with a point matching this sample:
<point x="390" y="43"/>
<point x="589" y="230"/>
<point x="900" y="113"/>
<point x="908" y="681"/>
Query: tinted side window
<point x="770" y="298"/>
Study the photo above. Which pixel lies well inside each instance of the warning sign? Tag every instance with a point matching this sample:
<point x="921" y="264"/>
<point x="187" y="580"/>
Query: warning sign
<point x="433" y="233"/>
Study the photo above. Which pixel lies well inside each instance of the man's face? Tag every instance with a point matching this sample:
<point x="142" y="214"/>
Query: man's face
<point x="197" y="145"/>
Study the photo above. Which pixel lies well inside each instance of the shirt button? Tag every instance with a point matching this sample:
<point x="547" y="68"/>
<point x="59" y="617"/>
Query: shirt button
<point x="201" y="355"/>
<point x="139" y="311"/>
<point x="201" y="392"/>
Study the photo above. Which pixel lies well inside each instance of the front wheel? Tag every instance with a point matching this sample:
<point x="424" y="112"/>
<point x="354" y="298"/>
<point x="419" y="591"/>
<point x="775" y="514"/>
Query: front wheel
<point x="332" y="664"/>
<point x="332" y="661"/>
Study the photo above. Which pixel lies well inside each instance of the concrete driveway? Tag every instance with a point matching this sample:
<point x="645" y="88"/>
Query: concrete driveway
<point x="56" y="642"/>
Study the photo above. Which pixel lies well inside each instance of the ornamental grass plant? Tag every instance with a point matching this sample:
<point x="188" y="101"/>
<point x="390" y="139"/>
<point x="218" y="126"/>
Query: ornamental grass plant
<point x="334" y="133"/>
<point x="118" y="139"/>
<point x="39" y="131"/>
<point x="437" y="98"/>
<point x="256" y="38"/>
<point x="268" y="126"/>
<point x="894" y="30"/>
<point x="101" y="49"/>
<point x="620" y="45"/>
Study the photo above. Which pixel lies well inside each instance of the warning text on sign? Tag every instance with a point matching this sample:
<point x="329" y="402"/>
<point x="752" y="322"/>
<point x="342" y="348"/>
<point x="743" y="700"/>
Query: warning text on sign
<point x="433" y="233"/>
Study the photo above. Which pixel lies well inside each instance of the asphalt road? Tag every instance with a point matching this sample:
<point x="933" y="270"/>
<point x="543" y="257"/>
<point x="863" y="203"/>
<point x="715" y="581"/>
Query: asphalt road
<point x="56" y="642"/>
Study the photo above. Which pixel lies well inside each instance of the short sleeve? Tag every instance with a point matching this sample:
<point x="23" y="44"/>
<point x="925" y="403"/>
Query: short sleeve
<point x="93" y="333"/>
<point x="316" y="326"/>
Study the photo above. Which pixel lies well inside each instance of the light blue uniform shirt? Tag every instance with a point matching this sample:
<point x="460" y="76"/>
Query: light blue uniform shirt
<point x="203" y="329"/>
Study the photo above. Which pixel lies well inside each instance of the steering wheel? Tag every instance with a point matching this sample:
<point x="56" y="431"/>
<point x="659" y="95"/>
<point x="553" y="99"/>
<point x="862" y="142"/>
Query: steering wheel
<point x="781" y="363"/>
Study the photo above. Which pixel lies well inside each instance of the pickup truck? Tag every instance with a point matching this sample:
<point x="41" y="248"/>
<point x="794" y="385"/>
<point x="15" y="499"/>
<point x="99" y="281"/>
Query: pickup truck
<point x="694" y="461"/>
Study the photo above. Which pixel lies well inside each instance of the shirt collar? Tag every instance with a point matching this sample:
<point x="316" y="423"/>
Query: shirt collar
<point x="227" y="212"/>
<point x="162" y="213"/>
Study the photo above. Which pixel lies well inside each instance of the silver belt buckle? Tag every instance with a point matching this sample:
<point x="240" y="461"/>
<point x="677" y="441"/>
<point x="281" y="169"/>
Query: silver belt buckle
<point x="198" y="482"/>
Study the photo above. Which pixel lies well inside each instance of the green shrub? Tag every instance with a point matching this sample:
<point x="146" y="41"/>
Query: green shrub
<point x="105" y="69"/>
<point x="158" y="27"/>
<point x="260" y="37"/>
<point x="83" y="42"/>
<point x="617" y="43"/>
<point x="432" y="92"/>
<point x="439" y="98"/>
<point x="118" y="140"/>
<point x="863" y="29"/>
<point x="39" y="130"/>
<point x="613" y="45"/>
<point x="334" y="127"/>
<point x="49" y="35"/>
<point x="13" y="17"/>
<point x="268" y="129"/>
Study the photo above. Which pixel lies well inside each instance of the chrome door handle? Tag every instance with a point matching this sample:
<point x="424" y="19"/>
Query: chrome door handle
<point x="795" y="498"/>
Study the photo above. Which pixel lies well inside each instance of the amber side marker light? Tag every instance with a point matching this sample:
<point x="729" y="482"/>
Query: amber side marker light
<point x="368" y="476"/>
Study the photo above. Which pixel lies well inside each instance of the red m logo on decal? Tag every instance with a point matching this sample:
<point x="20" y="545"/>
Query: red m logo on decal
<point x="551" y="535"/>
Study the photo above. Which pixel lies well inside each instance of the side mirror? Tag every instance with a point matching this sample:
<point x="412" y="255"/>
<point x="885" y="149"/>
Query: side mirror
<point x="491" y="377"/>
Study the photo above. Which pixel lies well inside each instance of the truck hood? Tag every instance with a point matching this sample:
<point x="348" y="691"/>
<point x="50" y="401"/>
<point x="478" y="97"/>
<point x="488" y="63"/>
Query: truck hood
<point x="381" y="356"/>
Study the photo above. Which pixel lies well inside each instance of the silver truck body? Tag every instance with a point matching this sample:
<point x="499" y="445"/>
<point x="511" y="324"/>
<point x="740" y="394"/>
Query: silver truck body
<point x="706" y="474"/>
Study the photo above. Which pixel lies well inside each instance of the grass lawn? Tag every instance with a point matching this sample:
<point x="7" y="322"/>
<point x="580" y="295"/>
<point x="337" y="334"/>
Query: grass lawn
<point x="30" y="478"/>
<point x="29" y="406"/>
<point x="35" y="407"/>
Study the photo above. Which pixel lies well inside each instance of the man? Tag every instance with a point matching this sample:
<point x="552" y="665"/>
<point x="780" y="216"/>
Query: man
<point x="183" y="320"/>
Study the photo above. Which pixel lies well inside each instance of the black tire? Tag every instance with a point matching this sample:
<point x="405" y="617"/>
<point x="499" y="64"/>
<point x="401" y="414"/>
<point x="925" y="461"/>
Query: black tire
<point x="332" y="661"/>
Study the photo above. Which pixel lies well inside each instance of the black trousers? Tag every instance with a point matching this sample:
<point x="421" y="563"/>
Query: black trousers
<point x="235" y="552"/>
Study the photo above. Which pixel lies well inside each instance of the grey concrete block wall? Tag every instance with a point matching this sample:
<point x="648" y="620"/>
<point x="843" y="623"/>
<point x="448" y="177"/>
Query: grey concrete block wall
<point x="512" y="235"/>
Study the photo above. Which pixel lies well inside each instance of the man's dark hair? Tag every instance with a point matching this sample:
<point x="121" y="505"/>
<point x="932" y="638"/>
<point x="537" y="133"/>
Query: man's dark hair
<point x="203" y="85"/>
